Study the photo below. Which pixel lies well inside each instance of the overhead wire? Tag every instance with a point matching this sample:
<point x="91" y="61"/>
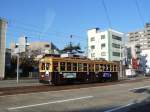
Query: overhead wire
<point x="139" y="12"/>
<point x="107" y="14"/>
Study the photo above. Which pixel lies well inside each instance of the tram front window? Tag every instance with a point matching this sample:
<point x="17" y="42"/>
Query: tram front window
<point x="47" y="66"/>
<point x="43" y="66"/>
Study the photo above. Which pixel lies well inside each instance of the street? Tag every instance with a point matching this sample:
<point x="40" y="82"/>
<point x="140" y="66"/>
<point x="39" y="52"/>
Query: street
<point x="111" y="98"/>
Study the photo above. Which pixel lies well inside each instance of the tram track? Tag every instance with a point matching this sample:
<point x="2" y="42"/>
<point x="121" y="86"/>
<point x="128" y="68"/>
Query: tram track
<point x="45" y="88"/>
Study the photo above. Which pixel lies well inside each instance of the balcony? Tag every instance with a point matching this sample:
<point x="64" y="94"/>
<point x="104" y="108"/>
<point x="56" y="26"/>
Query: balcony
<point x="137" y="45"/>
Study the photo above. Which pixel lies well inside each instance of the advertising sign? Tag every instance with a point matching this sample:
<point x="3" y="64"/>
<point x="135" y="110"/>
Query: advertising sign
<point x="106" y="75"/>
<point x="69" y="75"/>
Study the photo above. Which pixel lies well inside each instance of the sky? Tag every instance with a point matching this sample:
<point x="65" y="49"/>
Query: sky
<point x="55" y="20"/>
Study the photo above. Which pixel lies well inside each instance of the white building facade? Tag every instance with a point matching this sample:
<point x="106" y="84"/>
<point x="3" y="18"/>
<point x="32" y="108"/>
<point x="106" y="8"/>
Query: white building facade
<point x="104" y="44"/>
<point x="142" y="37"/>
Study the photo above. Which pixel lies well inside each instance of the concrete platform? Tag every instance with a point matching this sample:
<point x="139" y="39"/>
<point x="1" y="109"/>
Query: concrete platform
<point x="22" y="82"/>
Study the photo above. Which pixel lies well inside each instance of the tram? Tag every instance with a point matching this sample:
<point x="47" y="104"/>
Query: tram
<point x="57" y="70"/>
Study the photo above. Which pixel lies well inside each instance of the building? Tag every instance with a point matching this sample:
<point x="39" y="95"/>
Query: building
<point x="104" y="44"/>
<point x="7" y="62"/>
<point x="19" y="47"/>
<point x="132" y="55"/>
<point x="33" y="48"/>
<point x="141" y="37"/>
<point x="44" y="47"/>
<point x="3" y="26"/>
<point x="145" y="54"/>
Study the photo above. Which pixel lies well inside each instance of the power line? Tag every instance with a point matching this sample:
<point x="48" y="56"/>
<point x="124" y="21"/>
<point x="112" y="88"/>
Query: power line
<point x="139" y="12"/>
<point x="107" y="15"/>
<point x="40" y="33"/>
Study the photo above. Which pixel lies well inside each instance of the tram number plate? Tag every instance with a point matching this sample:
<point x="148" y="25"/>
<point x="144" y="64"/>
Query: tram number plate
<point x="69" y="75"/>
<point x="107" y="75"/>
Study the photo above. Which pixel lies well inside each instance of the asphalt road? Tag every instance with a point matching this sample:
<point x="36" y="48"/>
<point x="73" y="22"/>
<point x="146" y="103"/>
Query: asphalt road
<point x="112" y="98"/>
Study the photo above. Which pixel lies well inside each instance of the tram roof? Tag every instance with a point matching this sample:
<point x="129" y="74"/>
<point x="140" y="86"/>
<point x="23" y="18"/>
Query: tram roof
<point x="78" y="59"/>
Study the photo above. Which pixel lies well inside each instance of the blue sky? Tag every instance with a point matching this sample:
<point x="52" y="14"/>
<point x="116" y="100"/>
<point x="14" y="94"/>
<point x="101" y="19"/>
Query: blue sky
<point x="56" y="20"/>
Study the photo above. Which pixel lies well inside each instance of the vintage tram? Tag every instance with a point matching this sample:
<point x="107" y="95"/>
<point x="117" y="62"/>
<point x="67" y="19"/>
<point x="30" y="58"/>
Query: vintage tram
<point x="58" y="70"/>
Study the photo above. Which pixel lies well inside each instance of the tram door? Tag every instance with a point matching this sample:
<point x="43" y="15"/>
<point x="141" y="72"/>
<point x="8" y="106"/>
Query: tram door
<point x="47" y="72"/>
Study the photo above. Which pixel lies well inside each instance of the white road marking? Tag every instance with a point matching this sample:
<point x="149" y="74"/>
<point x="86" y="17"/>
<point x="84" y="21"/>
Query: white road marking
<point x="57" y="91"/>
<point x="139" y="88"/>
<point x="40" y="104"/>
<point x="118" y="108"/>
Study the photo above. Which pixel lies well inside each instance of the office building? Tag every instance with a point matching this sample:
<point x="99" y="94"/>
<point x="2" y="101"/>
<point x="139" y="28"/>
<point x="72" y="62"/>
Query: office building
<point x="104" y="45"/>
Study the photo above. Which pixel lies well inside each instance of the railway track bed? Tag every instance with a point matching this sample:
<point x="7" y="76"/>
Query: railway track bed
<point x="45" y="88"/>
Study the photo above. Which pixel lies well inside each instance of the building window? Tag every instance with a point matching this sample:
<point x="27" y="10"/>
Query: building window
<point x="115" y="45"/>
<point x="92" y="38"/>
<point x="116" y="54"/>
<point x="103" y="53"/>
<point x="102" y="37"/>
<point x="116" y="37"/>
<point x="92" y="54"/>
<point x="103" y="46"/>
<point x="92" y="47"/>
<point x="16" y="46"/>
<point x="47" y="45"/>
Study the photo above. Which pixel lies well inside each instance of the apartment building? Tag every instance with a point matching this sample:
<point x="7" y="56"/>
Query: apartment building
<point x="141" y="37"/>
<point x="104" y="44"/>
<point x="40" y="48"/>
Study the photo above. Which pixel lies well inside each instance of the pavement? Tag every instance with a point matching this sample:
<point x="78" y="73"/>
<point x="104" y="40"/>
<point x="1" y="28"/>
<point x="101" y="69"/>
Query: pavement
<point x="21" y="82"/>
<point x="35" y="82"/>
<point x="112" y="98"/>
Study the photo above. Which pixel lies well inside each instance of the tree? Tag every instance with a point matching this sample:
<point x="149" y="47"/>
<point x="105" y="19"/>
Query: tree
<point x="72" y="49"/>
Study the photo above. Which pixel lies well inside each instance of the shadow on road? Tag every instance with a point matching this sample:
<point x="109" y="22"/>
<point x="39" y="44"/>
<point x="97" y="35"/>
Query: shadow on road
<point x="142" y="90"/>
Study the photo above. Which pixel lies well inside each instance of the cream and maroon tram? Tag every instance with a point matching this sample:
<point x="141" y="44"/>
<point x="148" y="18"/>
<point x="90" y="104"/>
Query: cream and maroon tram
<point x="58" y="70"/>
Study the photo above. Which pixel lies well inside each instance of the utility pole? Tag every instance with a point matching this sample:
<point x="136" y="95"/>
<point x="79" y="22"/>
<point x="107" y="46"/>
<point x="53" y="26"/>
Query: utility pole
<point x="121" y="45"/>
<point x="3" y="28"/>
<point x="18" y="68"/>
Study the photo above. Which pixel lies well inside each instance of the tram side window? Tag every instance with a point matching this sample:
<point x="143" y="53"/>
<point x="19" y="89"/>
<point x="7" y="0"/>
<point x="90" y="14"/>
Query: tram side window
<point x="91" y="67"/>
<point x="62" y="66"/>
<point x="68" y="66"/>
<point x="85" y="67"/>
<point x="104" y="68"/>
<point x="115" y="68"/>
<point x="47" y="66"/>
<point x="79" y="66"/>
<point x="74" y="66"/>
<point x="55" y="66"/>
<point x="97" y="67"/>
<point x="111" y="67"/>
<point x="101" y="67"/>
<point x="118" y="68"/>
<point x="108" y="68"/>
<point x="43" y="66"/>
